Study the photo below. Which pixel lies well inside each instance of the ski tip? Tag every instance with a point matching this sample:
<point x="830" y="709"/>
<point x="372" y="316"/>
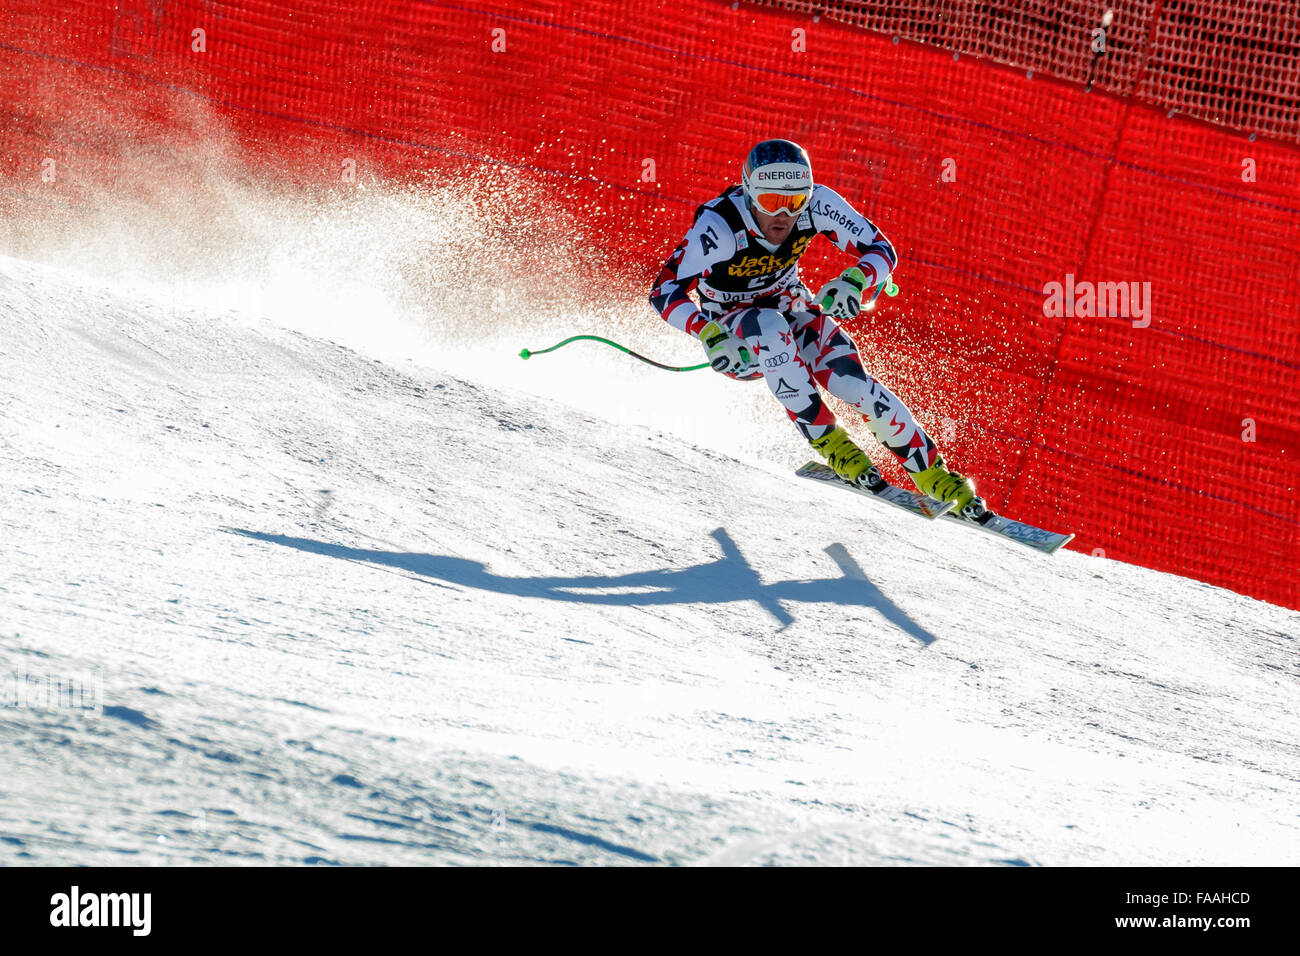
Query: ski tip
<point x="1065" y="539"/>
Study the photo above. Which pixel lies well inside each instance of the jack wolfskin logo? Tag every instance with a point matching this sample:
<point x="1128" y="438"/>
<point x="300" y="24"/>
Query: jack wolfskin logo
<point x="767" y="265"/>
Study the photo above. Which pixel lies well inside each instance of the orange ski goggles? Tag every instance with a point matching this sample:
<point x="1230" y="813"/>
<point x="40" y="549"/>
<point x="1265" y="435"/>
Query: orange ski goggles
<point x="775" y="203"/>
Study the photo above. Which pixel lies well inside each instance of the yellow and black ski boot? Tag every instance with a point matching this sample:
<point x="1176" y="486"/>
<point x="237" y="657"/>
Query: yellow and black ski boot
<point x="944" y="485"/>
<point x="846" y="459"/>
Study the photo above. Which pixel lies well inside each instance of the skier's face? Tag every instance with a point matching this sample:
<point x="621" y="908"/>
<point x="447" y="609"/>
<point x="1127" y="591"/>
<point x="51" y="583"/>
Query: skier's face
<point x="774" y="228"/>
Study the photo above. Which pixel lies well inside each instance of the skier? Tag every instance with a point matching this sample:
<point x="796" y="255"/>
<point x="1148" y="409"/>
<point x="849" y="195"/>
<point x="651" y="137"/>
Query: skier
<point x="755" y="317"/>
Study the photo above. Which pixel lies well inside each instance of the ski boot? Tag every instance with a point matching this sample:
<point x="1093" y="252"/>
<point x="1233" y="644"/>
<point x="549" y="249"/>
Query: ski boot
<point x="944" y="485"/>
<point x="848" y="460"/>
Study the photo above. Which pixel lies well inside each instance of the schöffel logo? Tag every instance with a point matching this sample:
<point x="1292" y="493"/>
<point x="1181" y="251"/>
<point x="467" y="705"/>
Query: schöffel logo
<point x="834" y="215"/>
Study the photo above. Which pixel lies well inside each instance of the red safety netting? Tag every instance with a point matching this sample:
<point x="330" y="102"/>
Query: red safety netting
<point x="1225" y="61"/>
<point x="991" y="183"/>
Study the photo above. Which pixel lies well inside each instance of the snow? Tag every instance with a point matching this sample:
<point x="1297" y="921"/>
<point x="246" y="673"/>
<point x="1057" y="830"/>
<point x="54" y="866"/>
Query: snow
<point x="362" y="587"/>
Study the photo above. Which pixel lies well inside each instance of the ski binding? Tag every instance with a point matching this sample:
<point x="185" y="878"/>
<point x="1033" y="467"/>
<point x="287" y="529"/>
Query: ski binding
<point x="879" y="489"/>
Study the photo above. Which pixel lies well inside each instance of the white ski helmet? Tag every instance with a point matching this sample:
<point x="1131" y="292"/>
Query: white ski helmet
<point x="777" y="177"/>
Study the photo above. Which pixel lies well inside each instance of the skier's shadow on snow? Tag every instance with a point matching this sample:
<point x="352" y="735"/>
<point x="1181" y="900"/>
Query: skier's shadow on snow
<point x="730" y="578"/>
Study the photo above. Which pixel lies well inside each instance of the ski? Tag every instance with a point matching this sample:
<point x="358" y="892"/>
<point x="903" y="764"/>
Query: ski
<point x="1048" y="542"/>
<point x="909" y="501"/>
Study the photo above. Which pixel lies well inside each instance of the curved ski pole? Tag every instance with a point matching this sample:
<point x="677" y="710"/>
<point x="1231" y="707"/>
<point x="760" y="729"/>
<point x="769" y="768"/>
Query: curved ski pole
<point x="888" y="287"/>
<point x="527" y="353"/>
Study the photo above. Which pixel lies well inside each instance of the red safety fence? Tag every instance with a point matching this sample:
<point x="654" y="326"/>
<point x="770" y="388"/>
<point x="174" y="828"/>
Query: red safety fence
<point x="1167" y="438"/>
<point x="1229" y="62"/>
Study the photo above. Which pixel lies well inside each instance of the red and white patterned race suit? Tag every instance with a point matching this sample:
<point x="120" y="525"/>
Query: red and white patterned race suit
<point x="752" y="288"/>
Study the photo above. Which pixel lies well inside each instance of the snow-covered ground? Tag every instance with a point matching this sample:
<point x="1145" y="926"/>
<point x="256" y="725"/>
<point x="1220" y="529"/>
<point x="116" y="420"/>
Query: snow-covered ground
<point x="368" y="591"/>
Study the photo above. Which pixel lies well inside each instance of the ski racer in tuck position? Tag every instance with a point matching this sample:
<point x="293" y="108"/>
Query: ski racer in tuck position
<point x="754" y="315"/>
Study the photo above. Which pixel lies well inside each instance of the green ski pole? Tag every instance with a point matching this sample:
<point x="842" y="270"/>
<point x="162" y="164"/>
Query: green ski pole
<point x="529" y="353"/>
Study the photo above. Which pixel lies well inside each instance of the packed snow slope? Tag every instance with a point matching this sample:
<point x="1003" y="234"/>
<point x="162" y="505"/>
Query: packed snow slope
<point x="355" y="608"/>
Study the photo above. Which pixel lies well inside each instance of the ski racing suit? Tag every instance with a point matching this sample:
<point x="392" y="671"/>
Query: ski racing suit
<point x="752" y="288"/>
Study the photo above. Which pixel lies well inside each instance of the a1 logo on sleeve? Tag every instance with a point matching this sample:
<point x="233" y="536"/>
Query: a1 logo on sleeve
<point x="708" y="240"/>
